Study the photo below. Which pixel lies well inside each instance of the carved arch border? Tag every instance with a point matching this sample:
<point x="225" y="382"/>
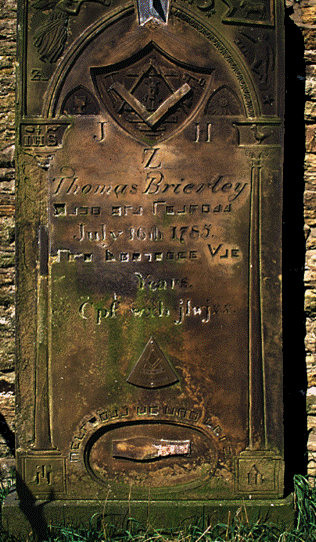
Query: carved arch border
<point x="251" y="101"/>
<point x="249" y="94"/>
<point x="74" y="51"/>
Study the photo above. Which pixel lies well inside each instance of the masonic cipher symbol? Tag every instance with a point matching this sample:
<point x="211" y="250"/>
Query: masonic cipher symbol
<point x="151" y="94"/>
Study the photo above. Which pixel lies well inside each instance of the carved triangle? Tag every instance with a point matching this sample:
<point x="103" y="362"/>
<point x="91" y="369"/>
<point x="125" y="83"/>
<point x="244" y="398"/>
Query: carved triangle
<point x="152" y="370"/>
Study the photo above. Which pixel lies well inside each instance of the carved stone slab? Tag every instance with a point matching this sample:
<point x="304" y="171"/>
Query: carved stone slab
<point x="149" y="159"/>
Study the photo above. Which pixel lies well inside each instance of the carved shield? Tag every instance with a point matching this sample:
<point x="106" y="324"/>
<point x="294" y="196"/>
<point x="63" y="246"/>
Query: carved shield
<point x="151" y="95"/>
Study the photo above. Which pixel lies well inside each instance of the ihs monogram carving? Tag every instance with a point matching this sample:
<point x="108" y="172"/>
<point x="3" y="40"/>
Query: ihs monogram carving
<point x="52" y="31"/>
<point x="151" y="94"/>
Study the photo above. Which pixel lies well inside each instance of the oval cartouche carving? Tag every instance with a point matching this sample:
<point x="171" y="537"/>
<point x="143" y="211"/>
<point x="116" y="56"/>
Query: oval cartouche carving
<point x="150" y="454"/>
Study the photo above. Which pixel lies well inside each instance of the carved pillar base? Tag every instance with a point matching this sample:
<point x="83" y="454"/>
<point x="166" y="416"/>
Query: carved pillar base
<point x="259" y="474"/>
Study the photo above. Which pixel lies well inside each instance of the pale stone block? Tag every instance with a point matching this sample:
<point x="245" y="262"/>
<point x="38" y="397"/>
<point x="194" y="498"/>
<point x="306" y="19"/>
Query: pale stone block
<point x="310" y="207"/>
<point x="310" y="111"/>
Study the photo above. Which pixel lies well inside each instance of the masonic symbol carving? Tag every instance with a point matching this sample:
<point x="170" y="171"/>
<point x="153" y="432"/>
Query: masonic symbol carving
<point x="151" y="119"/>
<point x="151" y="95"/>
<point x="152" y="370"/>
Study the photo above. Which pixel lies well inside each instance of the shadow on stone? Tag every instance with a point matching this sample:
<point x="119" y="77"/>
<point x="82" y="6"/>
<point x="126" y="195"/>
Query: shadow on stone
<point x="33" y="512"/>
<point x="27" y="503"/>
<point x="295" y="379"/>
<point x="7" y="434"/>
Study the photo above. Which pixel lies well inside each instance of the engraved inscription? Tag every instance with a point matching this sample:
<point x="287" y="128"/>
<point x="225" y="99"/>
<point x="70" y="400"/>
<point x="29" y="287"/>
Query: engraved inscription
<point x="154" y="183"/>
<point x="42" y="135"/>
<point x="180" y="241"/>
<point x="254" y="476"/>
<point x="150" y="283"/>
<point x="159" y="125"/>
<point x="101" y="132"/>
<point x="150" y="159"/>
<point x="38" y="75"/>
<point x="139" y="412"/>
<point x="258" y="472"/>
<point x="203" y="132"/>
<point x="185" y="311"/>
<point x="44" y="472"/>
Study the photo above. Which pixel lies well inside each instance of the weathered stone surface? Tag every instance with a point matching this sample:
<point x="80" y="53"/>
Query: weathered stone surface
<point x="311" y="239"/>
<point x="308" y="15"/>
<point x="7" y="291"/>
<point x="311" y="377"/>
<point x="310" y="268"/>
<point x="310" y="302"/>
<point x="8" y="29"/>
<point x="7" y="83"/>
<point x="309" y="207"/>
<point x="155" y="294"/>
<point x="7" y="421"/>
<point x="7" y="471"/>
<point x="309" y="35"/>
<point x="7" y="157"/>
<point x="310" y="364"/>
<point x="310" y="56"/>
<point x="311" y="139"/>
<point x="311" y="427"/>
<point x="310" y="71"/>
<point x="310" y="111"/>
<point x="7" y="227"/>
<point x="310" y="158"/>
<point x="310" y="88"/>
<point x="310" y="338"/>
<point x="309" y="181"/>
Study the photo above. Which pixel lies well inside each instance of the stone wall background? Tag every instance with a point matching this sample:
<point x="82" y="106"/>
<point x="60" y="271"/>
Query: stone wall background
<point x="305" y="18"/>
<point x="303" y="15"/>
<point x="7" y="105"/>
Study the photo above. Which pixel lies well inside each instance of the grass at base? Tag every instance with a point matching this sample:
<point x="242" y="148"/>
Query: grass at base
<point x="237" y="528"/>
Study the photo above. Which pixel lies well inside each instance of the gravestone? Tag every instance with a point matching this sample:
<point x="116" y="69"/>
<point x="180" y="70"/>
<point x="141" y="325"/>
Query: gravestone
<point x="149" y="356"/>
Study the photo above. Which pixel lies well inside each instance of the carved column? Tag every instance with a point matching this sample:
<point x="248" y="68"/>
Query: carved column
<point x="257" y="426"/>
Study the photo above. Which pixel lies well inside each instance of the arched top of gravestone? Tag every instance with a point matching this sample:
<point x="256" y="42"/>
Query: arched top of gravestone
<point x="117" y="40"/>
